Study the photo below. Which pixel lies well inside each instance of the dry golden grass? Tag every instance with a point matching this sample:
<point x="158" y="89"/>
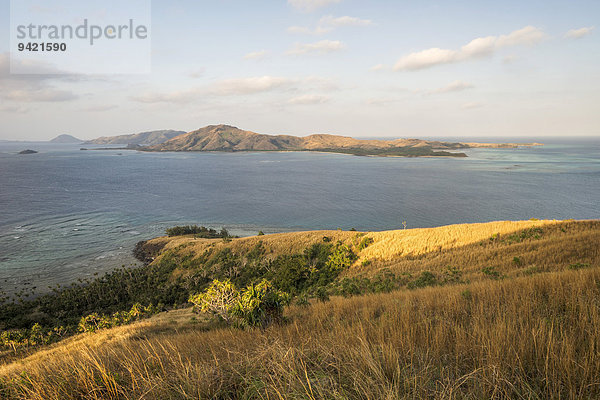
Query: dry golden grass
<point x="560" y="244"/>
<point x="275" y="244"/>
<point x="387" y="245"/>
<point x="416" y="242"/>
<point x="524" y="337"/>
<point x="534" y="337"/>
<point x="465" y="246"/>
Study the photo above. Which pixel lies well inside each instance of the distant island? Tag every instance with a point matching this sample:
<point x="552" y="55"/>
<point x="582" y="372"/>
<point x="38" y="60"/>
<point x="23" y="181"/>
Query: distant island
<point x="28" y="151"/>
<point x="227" y="138"/>
<point x="140" y="139"/>
<point x="66" y="139"/>
<point x="231" y="139"/>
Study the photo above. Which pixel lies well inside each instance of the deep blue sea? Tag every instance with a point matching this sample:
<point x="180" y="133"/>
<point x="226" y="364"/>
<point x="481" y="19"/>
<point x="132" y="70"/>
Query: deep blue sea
<point x="66" y="213"/>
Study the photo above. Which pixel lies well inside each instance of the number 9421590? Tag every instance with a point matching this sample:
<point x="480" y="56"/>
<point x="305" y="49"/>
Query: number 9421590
<point x="42" y="46"/>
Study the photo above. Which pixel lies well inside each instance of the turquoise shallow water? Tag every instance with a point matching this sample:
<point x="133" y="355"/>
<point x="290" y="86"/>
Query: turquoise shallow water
<point x="67" y="213"/>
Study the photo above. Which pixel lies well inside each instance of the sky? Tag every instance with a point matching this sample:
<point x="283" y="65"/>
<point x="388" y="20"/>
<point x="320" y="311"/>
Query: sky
<point x="377" y="68"/>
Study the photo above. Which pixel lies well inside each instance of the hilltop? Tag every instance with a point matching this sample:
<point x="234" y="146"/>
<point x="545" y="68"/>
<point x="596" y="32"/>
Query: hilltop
<point x="142" y="139"/>
<point x="493" y="310"/>
<point x="65" y="139"/>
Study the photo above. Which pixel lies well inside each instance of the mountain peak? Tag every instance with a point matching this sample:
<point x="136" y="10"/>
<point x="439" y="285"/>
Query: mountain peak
<point x="65" y="139"/>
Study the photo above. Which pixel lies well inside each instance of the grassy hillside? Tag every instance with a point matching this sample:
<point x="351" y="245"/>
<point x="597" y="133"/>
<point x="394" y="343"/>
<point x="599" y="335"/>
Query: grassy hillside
<point x="496" y="310"/>
<point x="510" y="247"/>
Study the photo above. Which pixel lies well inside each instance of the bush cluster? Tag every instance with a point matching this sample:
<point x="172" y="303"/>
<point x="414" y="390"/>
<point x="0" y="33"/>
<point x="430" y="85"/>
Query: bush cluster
<point x="530" y="233"/>
<point x="39" y="335"/>
<point x="257" y="305"/>
<point x="96" y="303"/>
<point x="198" y="231"/>
<point x="94" y="322"/>
<point x="36" y="335"/>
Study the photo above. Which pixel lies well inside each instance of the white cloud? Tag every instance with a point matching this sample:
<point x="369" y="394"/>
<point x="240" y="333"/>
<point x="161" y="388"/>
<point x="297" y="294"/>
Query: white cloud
<point x="456" y="86"/>
<point x="253" y="85"/>
<point x="319" y="83"/>
<point x="310" y="5"/>
<point x="321" y="47"/>
<point x="99" y="108"/>
<point x="13" y="109"/>
<point x="471" y="105"/>
<point x="256" y="55"/>
<point x="42" y="94"/>
<point x="176" y="96"/>
<point x="379" y="67"/>
<point x="197" y="73"/>
<point x="528" y="36"/>
<point x="579" y="33"/>
<point x="328" y="24"/>
<point x="242" y="86"/>
<point x="479" y="47"/>
<point x="300" y="30"/>
<point x="345" y="21"/>
<point x="309" y="99"/>
<point x="425" y="59"/>
<point x="29" y="88"/>
<point x="337" y="22"/>
<point x="381" y="101"/>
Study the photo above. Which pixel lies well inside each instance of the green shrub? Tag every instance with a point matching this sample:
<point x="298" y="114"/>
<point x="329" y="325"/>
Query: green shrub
<point x="531" y="233"/>
<point x="341" y="258"/>
<point x="302" y="301"/>
<point x="492" y="272"/>
<point x="384" y="282"/>
<point x="425" y="279"/>
<point x="517" y="261"/>
<point x="577" y="266"/>
<point x="350" y="287"/>
<point x="257" y="305"/>
<point x="198" y="231"/>
<point x="260" y="305"/>
<point x="452" y="275"/>
<point x="364" y="243"/>
<point x="218" y="299"/>
<point x="94" y="322"/>
<point x="290" y="272"/>
<point x="532" y="270"/>
<point x="321" y="294"/>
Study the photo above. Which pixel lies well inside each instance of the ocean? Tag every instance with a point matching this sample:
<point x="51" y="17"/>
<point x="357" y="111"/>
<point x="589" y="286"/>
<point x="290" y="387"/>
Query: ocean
<point x="67" y="214"/>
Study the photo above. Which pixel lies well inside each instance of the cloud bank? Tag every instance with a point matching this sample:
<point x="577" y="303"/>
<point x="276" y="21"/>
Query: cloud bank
<point x="256" y="55"/>
<point x="329" y="23"/>
<point x="476" y="48"/>
<point x="309" y="99"/>
<point x="311" y="5"/>
<point x="321" y="47"/>
<point x="579" y="33"/>
<point x="31" y="88"/>
<point x="456" y="86"/>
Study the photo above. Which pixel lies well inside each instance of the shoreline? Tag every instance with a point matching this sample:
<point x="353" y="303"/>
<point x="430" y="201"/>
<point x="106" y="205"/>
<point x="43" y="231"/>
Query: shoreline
<point x="358" y="152"/>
